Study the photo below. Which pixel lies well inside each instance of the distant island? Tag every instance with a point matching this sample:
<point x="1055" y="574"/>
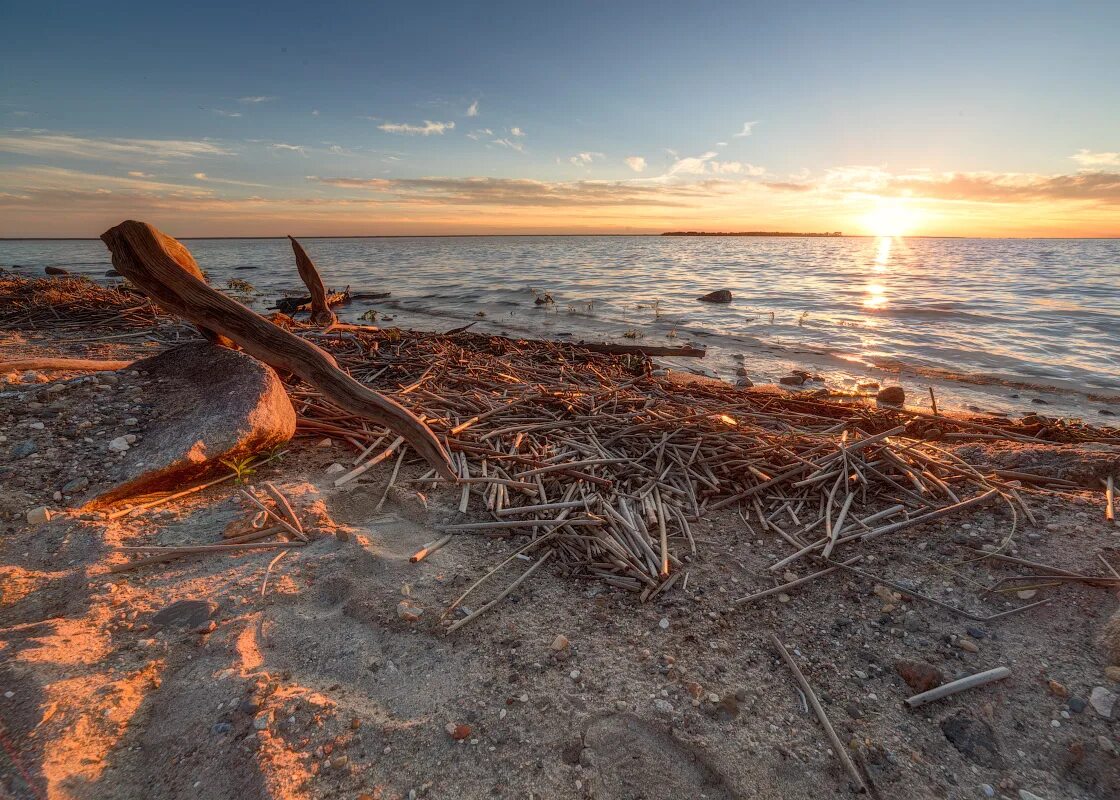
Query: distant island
<point x="746" y="233"/>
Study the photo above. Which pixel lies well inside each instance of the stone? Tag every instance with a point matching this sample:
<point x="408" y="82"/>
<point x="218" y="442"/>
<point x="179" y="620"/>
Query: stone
<point x="744" y="383"/>
<point x="260" y="722"/>
<point x="1057" y="689"/>
<point x="919" y="676"/>
<point x="663" y="705"/>
<point x="974" y="739"/>
<point x="968" y="645"/>
<point x="222" y="727"/>
<point x="1102" y="701"/>
<point x="335" y="468"/>
<point x="741" y="372"/>
<point x="1076" y="704"/>
<point x="664" y="624"/>
<point x="185" y="614"/>
<point x="457" y="732"/>
<point x="409" y="612"/>
<point x="75" y="485"/>
<point x="893" y="395"/>
<point x="56" y="271"/>
<point x="213" y="404"/>
<point x="1112" y="673"/>
<point x="560" y="642"/>
<point x="791" y="380"/>
<point x="1026" y="594"/>
<point x="38" y="515"/>
<point x="718" y="296"/>
<point x="119" y="445"/>
<point x="23" y="449"/>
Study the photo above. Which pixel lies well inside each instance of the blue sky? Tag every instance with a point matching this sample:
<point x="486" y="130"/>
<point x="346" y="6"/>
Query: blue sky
<point x="285" y="104"/>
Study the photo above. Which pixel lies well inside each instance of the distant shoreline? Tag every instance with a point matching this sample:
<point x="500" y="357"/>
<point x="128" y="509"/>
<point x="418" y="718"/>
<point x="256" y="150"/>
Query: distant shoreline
<point x="833" y="235"/>
<point x="567" y="236"/>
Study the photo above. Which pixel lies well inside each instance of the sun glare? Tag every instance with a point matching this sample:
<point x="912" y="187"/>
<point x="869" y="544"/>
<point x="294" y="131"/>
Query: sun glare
<point x="891" y="218"/>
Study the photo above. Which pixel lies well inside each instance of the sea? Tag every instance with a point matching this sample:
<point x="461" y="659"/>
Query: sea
<point x="1007" y="326"/>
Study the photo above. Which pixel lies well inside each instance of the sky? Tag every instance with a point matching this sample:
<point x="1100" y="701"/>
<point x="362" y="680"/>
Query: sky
<point x="360" y="118"/>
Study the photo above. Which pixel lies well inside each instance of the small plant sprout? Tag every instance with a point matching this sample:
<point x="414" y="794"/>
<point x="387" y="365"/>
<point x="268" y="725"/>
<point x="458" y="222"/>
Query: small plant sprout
<point x="242" y="467"/>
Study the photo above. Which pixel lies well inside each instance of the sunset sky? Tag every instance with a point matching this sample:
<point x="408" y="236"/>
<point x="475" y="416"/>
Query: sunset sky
<point x="206" y="119"/>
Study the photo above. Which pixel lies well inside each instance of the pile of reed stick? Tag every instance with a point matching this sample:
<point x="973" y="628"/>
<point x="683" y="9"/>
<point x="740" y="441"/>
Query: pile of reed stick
<point x="606" y="465"/>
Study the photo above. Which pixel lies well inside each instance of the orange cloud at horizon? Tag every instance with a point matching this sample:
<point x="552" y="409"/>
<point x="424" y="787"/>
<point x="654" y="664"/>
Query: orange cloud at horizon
<point x="49" y="201"/>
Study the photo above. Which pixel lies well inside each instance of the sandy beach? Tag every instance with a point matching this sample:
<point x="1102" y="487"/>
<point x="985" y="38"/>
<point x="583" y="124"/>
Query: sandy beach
<point x="328" y="672"/>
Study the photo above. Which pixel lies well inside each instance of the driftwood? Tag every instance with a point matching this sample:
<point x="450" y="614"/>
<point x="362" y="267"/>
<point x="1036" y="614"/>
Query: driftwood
<point x="165" y="271"/>
<point x="294" y="305"/>
<point x="642" y="350"/>
<point x="321" y="313"/>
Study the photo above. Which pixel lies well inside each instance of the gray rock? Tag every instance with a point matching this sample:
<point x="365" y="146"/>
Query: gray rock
<point x="75" y="485"/>
<point x="1102" y="701"/>
<point x="212" y="404"/>
<point x="185" y="614"/>
<point x="718" y="296"/>
<point x="792" y="380"/>
<point x="24" y="449"/>
<point x="1076" y="704"/>
<point x="56" y="271"/>
<point x="974" y="738"/>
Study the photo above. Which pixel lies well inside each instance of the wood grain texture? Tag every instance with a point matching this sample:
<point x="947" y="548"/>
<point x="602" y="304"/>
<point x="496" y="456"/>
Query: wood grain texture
<point x="321" y="313"/>
<point x="164" y="270"/>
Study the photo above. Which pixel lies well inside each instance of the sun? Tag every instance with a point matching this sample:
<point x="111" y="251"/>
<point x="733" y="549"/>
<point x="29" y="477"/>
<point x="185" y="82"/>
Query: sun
<point x="891" y="218"/>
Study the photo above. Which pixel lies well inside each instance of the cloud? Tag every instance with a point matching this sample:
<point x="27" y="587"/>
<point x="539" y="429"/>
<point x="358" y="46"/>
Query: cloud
<point x="291" y="148"/>
<point x="254" y="99"/>
<point x="974" y="187"/>
<point x="202" y="176"/>
<point x="691" y="165"/>
<point x="46" y="144"/>
<point x="1089" y="159"/>
<point x="516" y="132"/>
<point x="721" y="144"/>
<point x="748" y="129"/>
<point x="510" y="143"/>
<point x="138" y="174"/>
<point x="583" y="159"/>
<point x="222" y="113"/>
<point x="314" y="112"/>
<point x="472" y="109"/>
<point x="429" y="128"/>
<point x="636" y="163"/>
<point x="736" y="168"/>
<point x="525" y="192"/>
<point x="480" y="134"/>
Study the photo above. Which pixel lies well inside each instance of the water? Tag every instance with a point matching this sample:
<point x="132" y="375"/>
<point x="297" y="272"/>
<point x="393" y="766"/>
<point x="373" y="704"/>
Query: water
<point x="997" y="324"/>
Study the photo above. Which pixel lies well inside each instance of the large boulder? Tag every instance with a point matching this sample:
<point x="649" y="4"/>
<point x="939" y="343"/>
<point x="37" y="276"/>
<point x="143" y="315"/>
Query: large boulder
<point x="718" y="296"/>
<point x="205" y="405"/>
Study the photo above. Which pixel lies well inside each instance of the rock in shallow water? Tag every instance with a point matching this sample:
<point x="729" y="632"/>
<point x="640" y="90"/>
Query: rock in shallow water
<point x="893" y="395"/>
<point x="208" y="404"/>
<point x="718" y="296"/>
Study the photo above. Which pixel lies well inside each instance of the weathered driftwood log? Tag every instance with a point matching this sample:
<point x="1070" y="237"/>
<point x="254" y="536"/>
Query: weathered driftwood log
<point x="642" y="350"/>
<point x="293" y="305"/>
<point x="75" y="364"/>
<point x="165" y="271"/>
<point x="321" y="313"/>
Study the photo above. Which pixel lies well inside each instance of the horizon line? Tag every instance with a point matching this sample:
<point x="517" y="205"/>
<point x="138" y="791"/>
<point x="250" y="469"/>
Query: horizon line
<point x="772" y="235"/>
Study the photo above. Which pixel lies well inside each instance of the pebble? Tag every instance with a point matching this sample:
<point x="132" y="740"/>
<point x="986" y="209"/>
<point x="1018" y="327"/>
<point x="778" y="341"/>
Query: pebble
<point x="891" y="394"/>
<point x="661" y="704"/>
<point x="222" y="727"/>
<point x="36" y="426"/>
<point x="1102" y="701"/>
<point x="1057" y="689"/>
<point x="968" y="645"/>
<point x="24" y="449"/>
<point x="1112" y="673"/>
<point x="38" y="515"/>
<point x="119" y="445"/>
<point x="664" y="624"/>
<point x="560" y="642"/>
<point x="335" y="468"/>
<point x="919" y="675"/>
<point x="988" y="790"/>
<point x="75" y="485"/>
<point x="409" y="612"/>
<point x="457" y="732"/>
<point x="1026" y="594"/>
<point x="1076" y="704"/>
<point x="260" y="722"/>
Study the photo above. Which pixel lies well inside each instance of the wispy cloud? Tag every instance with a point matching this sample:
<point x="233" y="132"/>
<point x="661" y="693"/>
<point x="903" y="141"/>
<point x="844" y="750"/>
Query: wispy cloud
<point x="290" y="148"/>
<point x="516" y="132"/>
<point x="1087" y="158"/>
<point x="748" y="129"/>
<point x="481" y="133"/>
<point x="706" y="164"/>
<point x="691" y="165"/>
<point x="46" y="144"/>
<point x="584" y="159"/>
<point x="429" y="128"/>
<point x="139" y="174"/>
<point x="636" y="163"/>
<point x="523" y="192"/>
<point x="222" y="113"/>
<point x="202" y="176"/>
<point x="510" y="143"/>
<point x="255" y="99"/>
<point x="472" y="109"/>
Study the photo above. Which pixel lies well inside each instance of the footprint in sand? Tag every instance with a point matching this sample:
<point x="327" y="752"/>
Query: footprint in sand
<point x="640" y="760"/>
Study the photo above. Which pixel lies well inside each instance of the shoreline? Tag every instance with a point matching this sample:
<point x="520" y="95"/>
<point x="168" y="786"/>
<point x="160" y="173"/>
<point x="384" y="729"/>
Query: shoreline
<point x="331" y="671"/>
